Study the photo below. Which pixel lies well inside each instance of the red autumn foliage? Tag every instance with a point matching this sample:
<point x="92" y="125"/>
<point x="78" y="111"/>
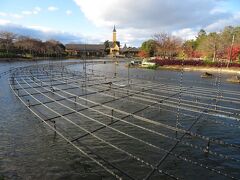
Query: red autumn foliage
<point x="235" y="52"/>
<point x="218" y="64"/>
<point x="196" y="54"/>
<point x="143" y="54"/>
<point x="192" y="53"/>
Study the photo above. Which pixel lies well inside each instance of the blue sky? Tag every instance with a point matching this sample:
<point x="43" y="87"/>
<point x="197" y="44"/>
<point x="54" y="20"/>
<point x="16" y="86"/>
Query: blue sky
<point x="54" y="14"/>
<point x="91" y="21"/>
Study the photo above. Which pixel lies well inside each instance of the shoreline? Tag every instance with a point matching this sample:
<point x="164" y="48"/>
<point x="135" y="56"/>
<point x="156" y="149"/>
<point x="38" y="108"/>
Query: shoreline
<point x="26" y="59"/>
<point x="231" y="70"/>
<point x="38" y="59"/>
<point x="201" y="69"/>
<point x="52" y="58"/>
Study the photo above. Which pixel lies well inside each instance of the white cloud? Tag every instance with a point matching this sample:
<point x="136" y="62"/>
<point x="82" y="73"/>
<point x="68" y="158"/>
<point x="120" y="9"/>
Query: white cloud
<point x="69" y="12"/>
<point x="40" y="28"/>
<point x="3" y="14"/>
<point x="140" y="20"/>
<point x="186" y="33"/>
<point x="4" y="21"/>
<point x="96" y="13"/>
<point x="52" y="8"/>
<point x="149" y="13"/>
<point x="16" y="16"/>
<point x="27" y="12"/>
<point x="22" y="14"/>
<point x="218" y="10"/>
<point x="133" y="36"/>
<point x="35" y="11"/>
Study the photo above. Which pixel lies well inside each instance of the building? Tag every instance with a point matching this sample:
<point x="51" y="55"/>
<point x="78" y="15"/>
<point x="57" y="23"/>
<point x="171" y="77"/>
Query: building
<point x="129" y="51"/>
<point x="111" y="48"/>
<point x="85" y="50"/>
<point x="114" y="45"/>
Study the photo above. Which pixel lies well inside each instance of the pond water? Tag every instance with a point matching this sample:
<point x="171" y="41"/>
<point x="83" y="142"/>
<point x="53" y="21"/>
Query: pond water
<point x="29" y="150"/>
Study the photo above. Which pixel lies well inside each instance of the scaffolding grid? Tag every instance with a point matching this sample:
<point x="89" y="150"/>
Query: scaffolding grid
<point x="155" y="128"/>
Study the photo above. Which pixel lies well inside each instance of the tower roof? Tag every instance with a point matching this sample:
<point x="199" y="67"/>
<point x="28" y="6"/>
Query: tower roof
<point x="114" y="29"/>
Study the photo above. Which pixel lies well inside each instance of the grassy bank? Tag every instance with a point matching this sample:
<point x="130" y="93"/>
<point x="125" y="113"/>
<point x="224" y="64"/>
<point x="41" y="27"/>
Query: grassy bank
<point x="201" y="68"/>
<point x="198" y="65"/>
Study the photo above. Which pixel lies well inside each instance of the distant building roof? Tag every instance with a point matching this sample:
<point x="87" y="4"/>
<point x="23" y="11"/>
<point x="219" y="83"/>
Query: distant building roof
<point x="85" y="47"/>
<point x="111" y="44"/>
<point x="130" y="49"/>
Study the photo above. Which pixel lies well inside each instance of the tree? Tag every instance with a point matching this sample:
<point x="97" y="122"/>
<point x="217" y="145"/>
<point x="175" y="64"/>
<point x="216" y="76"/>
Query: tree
<point x="167" y="45"/>
<point x="6" y="40"/>
<point x="234" y="53"/>
<point x="53" y="48"/>
<point x="21" y="43"/>
<point x="149" y="48"/>
<point x="30" y="45"/>
<point x="36" y="47"/>
<point x="107" y="47"/>
<point x="201" y="33"/>
<point x="142" y="54"/>
<point x="58" y="47"/>
<point x="211" y="45"/>
<point x="188" y="48"/>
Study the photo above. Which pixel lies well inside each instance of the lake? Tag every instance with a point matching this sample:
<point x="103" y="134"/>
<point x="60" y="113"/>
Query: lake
<point x="30" y="150"/>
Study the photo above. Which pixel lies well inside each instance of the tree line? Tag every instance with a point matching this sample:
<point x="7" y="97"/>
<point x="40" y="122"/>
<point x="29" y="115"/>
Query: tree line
<point x="207" y="46"/>
<point x="13" y="45"/>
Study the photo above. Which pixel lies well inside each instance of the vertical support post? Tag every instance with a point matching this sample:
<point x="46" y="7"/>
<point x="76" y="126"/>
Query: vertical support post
<point x="128" y="74"/>
<point x="112" y="115"/>
<point x="28" y="102"/>
<point x="218" y="83"/>
<point x="179" y="98"/>
<point x="54" y="124"/>
<point x="206" y="150"/>
<point x="75" y="100"/>
<point x="115" y="69"/>
<point x="13" y="80"/>
<point x="55" y="128"/>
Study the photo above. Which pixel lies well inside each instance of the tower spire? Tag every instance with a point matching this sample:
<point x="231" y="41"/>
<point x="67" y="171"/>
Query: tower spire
<point x="114" y="29"/>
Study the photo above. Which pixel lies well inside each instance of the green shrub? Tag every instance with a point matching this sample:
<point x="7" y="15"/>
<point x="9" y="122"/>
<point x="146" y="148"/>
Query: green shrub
<point x="153" y="67"/>
<point x="7" y="55"/>
<point x="208" y="62"/>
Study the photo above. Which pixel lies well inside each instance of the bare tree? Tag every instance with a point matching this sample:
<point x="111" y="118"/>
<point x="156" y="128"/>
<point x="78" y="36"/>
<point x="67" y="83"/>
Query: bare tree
<point x="30" y="45"/>
<point x="167" y="45"/>
<point x="6" y="40"/>
<point x="54" y="48"/>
